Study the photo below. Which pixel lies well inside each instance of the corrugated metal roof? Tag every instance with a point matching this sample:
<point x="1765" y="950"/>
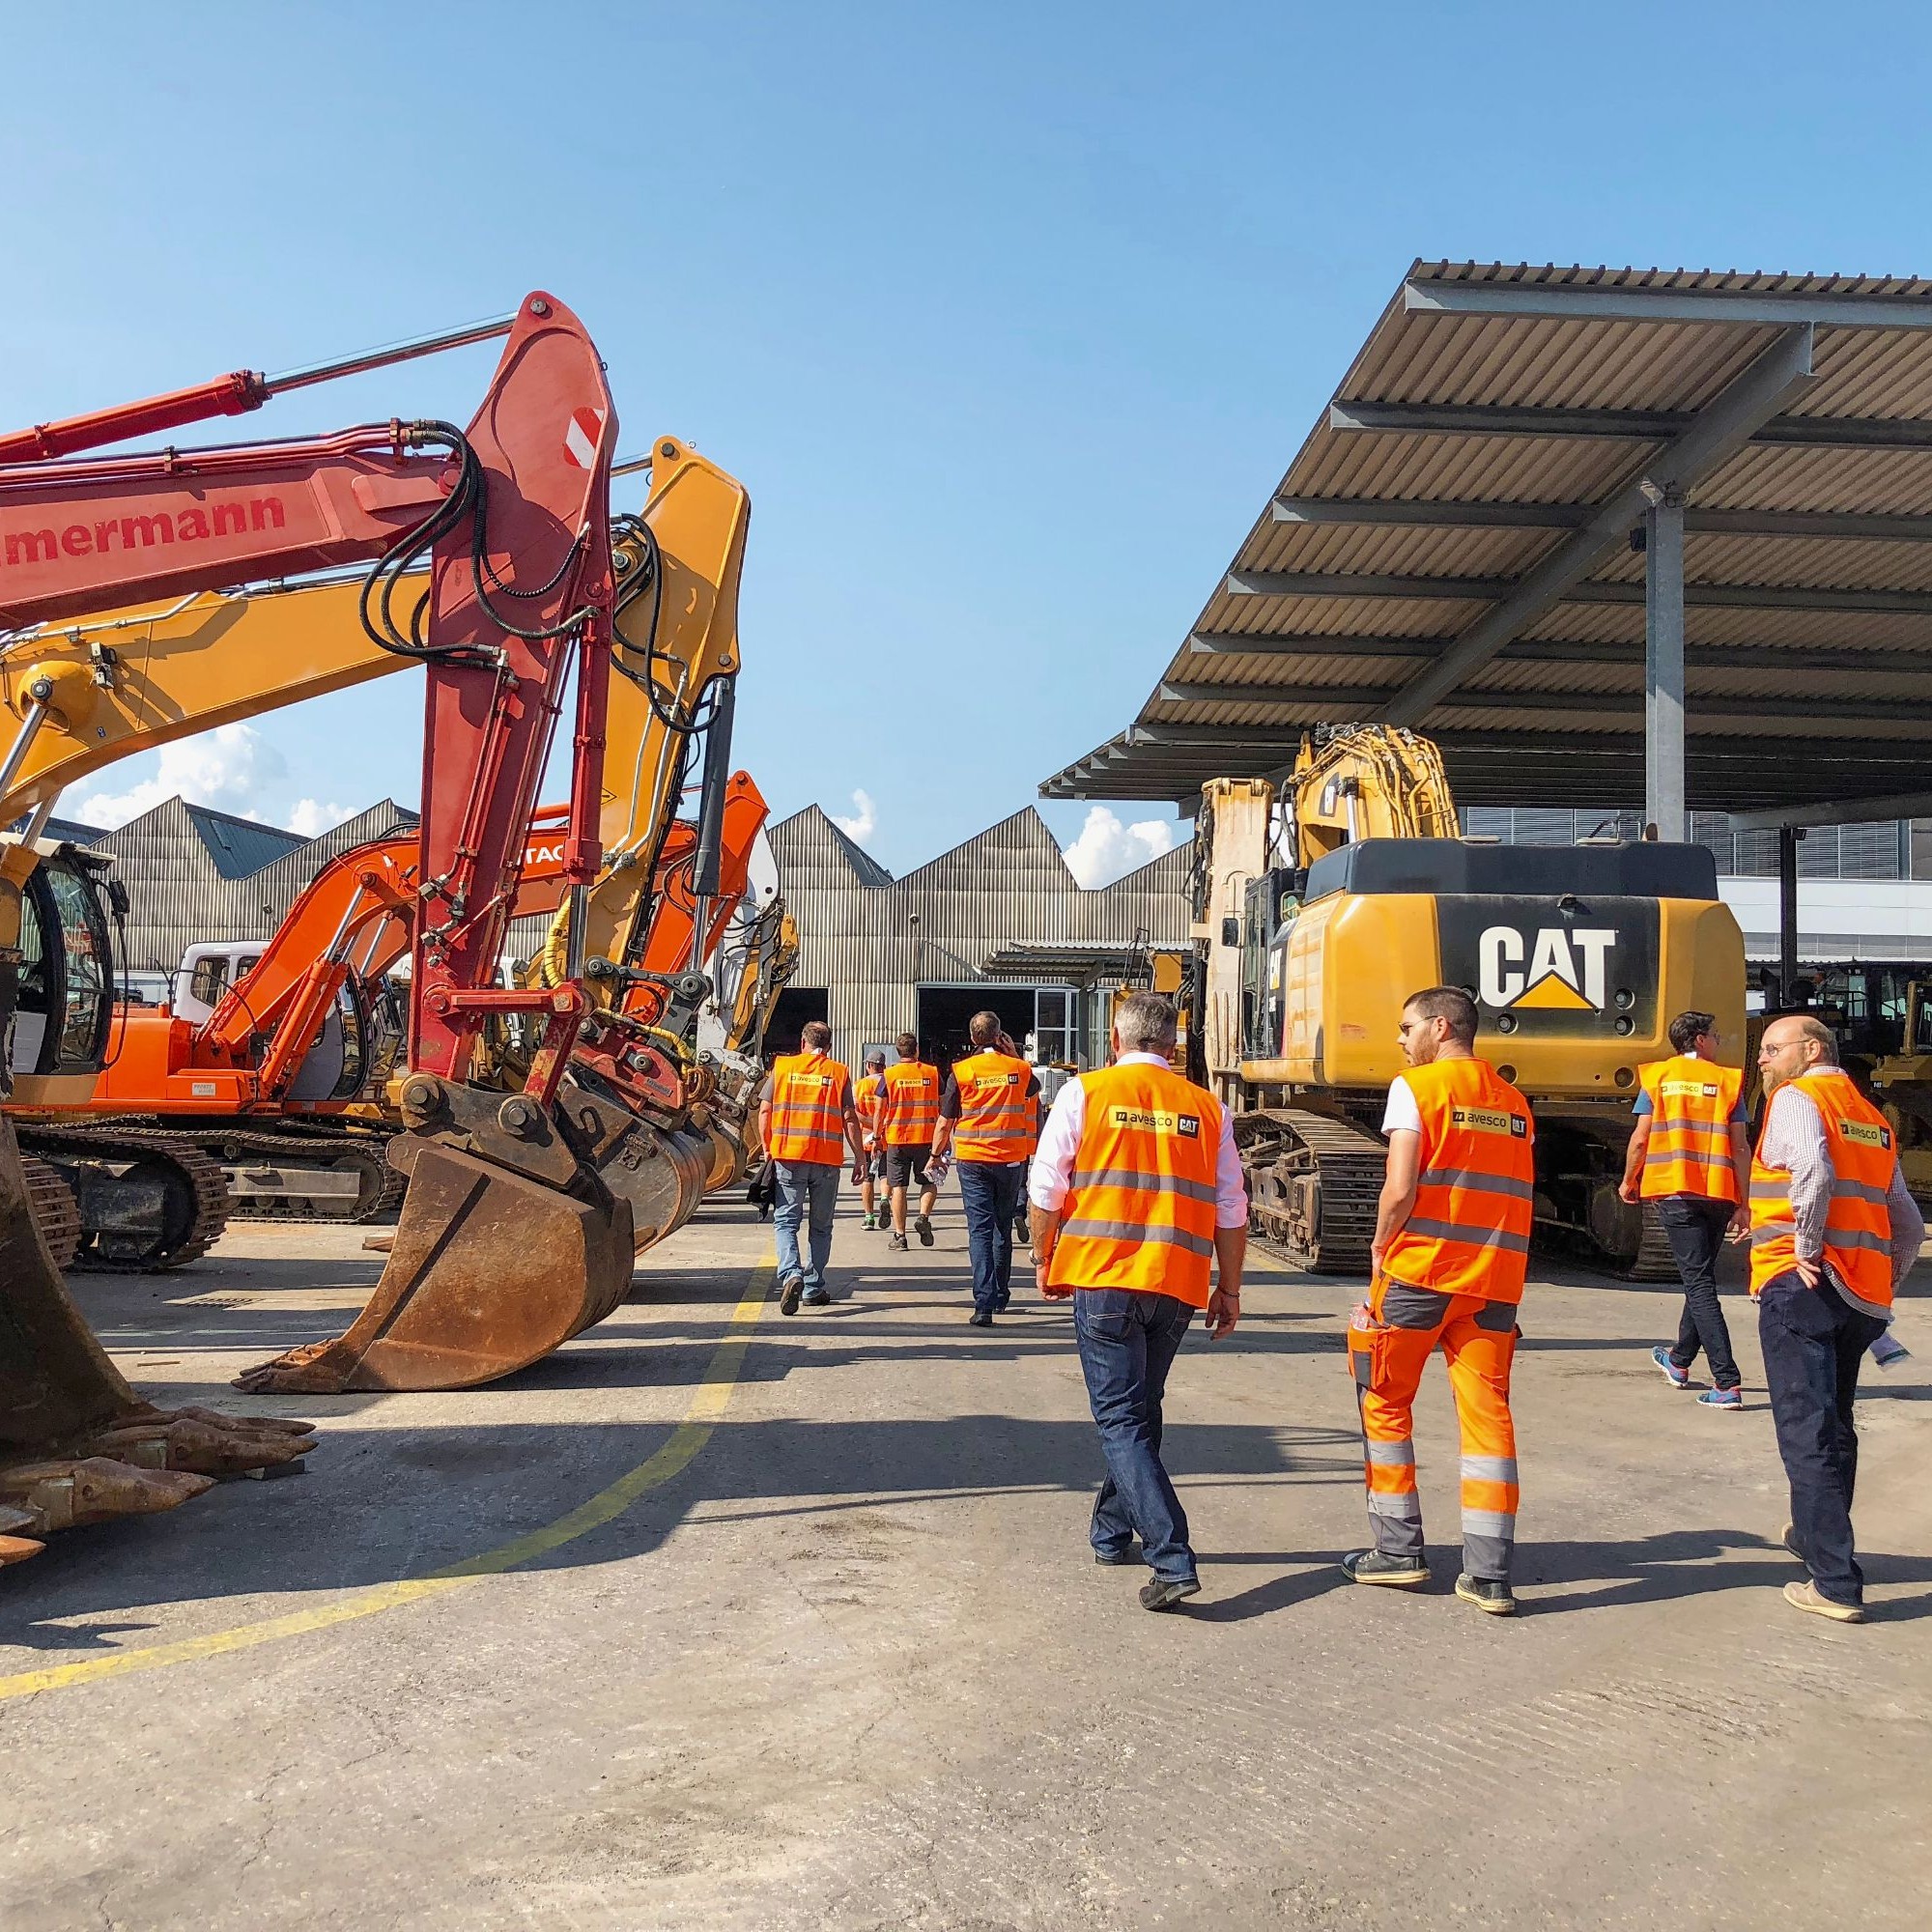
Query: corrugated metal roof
<point x="240" y="846"/>
<point x="1491" y="415"/>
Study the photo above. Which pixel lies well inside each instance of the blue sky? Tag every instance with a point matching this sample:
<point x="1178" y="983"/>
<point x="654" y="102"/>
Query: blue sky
<point x="1009" y="316"/>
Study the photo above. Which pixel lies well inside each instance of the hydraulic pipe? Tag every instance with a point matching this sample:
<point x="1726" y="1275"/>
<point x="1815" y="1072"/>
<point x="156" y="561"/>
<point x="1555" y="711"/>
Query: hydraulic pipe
<point x="706" y="859"/>
<point x="38" y="694"/>
<point x="232" y="395"/>
<point x="382" y="358"/>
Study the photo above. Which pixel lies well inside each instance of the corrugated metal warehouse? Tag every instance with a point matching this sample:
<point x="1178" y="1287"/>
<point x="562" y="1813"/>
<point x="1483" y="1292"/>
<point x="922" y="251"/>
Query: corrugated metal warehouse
<point x="194" y="873"/>
<point x="998" y="921"/>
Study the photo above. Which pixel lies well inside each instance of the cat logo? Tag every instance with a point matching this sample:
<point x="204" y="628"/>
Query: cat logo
<point x="1565" y="968"/>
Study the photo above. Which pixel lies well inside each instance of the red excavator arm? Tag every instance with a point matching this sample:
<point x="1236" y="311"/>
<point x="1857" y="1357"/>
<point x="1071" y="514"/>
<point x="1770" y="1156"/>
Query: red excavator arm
<point x="515" y="511"/>
<point x="514" y="515"/>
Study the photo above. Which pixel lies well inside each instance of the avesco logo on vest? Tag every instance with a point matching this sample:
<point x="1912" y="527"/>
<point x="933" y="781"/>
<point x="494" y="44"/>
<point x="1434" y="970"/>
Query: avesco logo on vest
<point x="1489" y="1120"/>
<point x="1186" y="1125"/>
<point x="1563" y="967"/>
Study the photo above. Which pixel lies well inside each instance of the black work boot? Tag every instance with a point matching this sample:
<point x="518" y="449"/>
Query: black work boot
<point x="1491" y="1594"/>
<point x="1372" y="1565"/>
<point x="1162" y="1594"/>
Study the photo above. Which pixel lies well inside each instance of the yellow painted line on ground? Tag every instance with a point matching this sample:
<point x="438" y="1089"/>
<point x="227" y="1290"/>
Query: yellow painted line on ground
<point x="706" y="1409"/>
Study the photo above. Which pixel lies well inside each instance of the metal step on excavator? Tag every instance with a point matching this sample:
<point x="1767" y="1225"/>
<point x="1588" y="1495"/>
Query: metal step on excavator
<point x="510" y="1241"/>
<point x="278" y="1074"/>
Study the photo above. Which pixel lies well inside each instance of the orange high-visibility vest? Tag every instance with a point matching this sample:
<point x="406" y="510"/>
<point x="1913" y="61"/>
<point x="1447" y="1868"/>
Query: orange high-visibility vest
<point x="996" y="1121"/>
<point x="1690" y="1149"/>
<point x="867" y="1097"/>
<point x="909" y="1105"/>
<point x="1475" y="1197"/>
<point x="808" y="1108"/>
<point x="1858" y="1223"/>
<point x="1140" y="1213"/>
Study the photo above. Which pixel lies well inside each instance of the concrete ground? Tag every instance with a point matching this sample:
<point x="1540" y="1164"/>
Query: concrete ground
<point x="845" y="1662"/>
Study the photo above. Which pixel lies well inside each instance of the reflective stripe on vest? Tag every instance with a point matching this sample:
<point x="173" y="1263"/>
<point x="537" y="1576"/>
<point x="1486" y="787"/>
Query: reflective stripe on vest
<point x="1140" y="1212"/>
<point x="996" y="1112"/>
<point x="808" y="1108"/>
<point x="1857" y="1222"/>
<point x="1475" y="1195"/>
<point x="909" y="1106"/>
<point x="1692" y="1102"/>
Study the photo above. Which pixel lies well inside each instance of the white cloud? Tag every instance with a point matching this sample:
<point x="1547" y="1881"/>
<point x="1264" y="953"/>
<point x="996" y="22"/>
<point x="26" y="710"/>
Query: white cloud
<point x="312" y="819"/>
<point x="863" y="823"/>
<point x="230" y="768"/>
<point x="1106" y="850"/>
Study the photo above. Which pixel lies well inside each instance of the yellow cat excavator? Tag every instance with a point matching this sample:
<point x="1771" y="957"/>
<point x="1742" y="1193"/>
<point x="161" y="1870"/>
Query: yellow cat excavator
<point x="1314" y="923"/>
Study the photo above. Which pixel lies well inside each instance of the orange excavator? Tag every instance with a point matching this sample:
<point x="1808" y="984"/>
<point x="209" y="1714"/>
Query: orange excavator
<point x="276" y="1073"/>
<point x="510" y="1240"/>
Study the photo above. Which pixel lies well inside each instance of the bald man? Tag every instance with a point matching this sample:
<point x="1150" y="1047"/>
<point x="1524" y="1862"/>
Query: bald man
<point x="1834" y="1231"/>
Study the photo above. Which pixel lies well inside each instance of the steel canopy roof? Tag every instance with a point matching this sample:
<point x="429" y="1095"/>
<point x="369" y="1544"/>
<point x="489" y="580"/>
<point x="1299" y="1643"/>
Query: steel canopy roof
<point x="1457" y="547"/>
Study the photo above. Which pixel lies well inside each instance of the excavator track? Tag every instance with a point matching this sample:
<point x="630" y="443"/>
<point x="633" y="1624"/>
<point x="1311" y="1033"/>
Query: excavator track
<point x="56" y="1212"/>
<point x="147" y="1202"/>
<point x="265" y="1175"/>
<point x="1312" y="1183"/>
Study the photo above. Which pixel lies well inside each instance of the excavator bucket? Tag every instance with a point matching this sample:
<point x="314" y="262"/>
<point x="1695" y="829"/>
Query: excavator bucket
<point x="489" y="1271"/>
<point x="77" y="1445"/>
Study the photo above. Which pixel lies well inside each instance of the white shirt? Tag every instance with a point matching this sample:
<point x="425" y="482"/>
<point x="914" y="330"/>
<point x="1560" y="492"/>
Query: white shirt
<point x="1051" y="1177"/>
<point x="1403" y="1114"/>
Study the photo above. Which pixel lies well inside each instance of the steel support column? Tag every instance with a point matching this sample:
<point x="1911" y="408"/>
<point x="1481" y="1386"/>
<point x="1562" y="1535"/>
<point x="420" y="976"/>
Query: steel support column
<point x="1663" y="668"/>
<point x="1788" y="837"/>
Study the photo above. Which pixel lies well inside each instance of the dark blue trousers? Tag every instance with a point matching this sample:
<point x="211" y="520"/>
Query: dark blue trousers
<point x="990" y="1194"/>
<point x="1129" y="1341"/>
<point x="1813" y="1341"/>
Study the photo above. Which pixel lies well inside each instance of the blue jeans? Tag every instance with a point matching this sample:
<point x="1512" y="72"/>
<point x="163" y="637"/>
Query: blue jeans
<point x="990" y="1194"/>
<point x="1127" y="1344"/>
<point x="1812" y="1342"/>
<point x="805" y="1186"/>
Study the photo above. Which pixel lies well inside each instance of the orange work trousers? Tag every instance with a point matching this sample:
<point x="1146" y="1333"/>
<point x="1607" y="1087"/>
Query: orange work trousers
<point x="1390" y="1342"/>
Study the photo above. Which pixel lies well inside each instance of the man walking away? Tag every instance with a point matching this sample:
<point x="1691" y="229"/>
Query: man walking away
<point x="1137" y="1196"/>
<point x="986" y="1117"/>
<point x="805" y="1112"/>
<point x="1688" y="1154"/>
<point x="908" y="1120"/>
<point x="872" y="1086"/>
<point x="1451" y="1249"/>
<point x="1833" y="1231"/>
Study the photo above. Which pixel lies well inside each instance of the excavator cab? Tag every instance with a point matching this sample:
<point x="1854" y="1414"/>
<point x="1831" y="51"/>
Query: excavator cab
<point x="63" y="1010"/>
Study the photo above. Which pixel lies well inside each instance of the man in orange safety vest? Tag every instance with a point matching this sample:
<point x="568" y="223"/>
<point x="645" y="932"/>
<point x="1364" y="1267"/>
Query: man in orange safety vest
<point x="1451" y="1249"/>
<point x="869" y="1093"/>
<point x="1687" y="1153"/>
<point x="1137" y="1197"/>
<point x="908" y="1119"/>
<point x="988" y="1120"/>
<point x="1834" y="1231"/>
<point x="806" y="1121"/>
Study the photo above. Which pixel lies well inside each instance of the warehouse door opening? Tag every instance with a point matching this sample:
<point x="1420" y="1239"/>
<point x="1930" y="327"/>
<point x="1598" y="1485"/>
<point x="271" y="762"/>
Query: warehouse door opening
<point x="1039" y="1018"/>
<point x="796" y="1008"/>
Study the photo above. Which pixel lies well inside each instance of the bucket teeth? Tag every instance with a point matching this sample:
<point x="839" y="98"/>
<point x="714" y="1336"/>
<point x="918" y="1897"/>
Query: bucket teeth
<point x="65" y="1493"/>
<point x="77" y="1445"/>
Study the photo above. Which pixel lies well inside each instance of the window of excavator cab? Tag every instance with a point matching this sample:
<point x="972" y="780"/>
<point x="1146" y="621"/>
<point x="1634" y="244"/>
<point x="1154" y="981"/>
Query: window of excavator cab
<point x="209" y="980"/>
<point x="88" y="961"/>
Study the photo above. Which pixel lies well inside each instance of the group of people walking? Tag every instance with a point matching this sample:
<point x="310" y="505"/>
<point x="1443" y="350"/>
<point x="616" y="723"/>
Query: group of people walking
<point x="1139" y="1214"/>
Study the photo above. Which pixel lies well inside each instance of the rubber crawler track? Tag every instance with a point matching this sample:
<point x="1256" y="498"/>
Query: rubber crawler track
<point x="208" y="1184"/>
<point x="56" y="1212"/>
